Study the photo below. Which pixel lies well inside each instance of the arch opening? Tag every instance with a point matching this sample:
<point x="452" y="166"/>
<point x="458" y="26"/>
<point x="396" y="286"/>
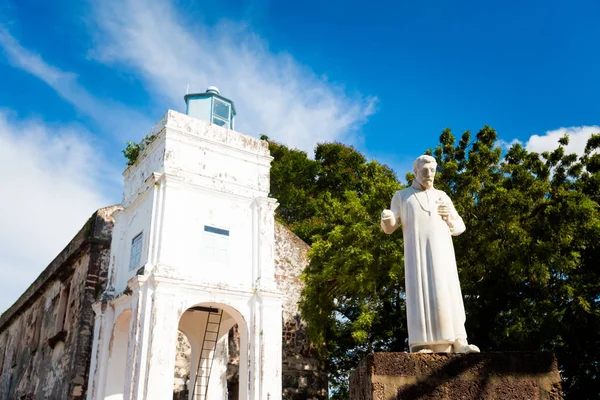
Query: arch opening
<point x="214" y="362"/>
<point x="117" y="358"/>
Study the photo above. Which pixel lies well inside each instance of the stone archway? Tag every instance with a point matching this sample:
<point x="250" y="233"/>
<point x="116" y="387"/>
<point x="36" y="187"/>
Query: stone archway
<point x="117" y="358"/>
<point x="197" y="323"/>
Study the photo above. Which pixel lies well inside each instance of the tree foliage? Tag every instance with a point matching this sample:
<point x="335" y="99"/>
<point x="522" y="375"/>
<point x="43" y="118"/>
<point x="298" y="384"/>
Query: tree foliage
<point x="528" y="261"/>
<point x="132" y="149"/>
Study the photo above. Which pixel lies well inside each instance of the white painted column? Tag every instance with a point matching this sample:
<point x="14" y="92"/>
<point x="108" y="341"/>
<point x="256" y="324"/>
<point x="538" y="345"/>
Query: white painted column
<point x="254" y="348"/>
<point x="264" y="242"/>
<point x="99" y="358"/>
<point x="270" y="345"/>
<point x="244" y="375"/>
<point x="266" y="324"/>
<point x="134" y="336"/>
<point x="108" y="324"/>
<point x="139" y="335"/>
<point x="162" y="344"/>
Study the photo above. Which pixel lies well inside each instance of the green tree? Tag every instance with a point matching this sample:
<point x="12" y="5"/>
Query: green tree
<point x="293" y="183"/>
<point x="334" y="203"/>
<point x="528" y="261"/>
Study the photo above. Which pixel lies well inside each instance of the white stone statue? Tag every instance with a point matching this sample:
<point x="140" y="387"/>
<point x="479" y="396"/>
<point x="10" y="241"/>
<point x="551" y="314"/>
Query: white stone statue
<point x="434" y="305"/>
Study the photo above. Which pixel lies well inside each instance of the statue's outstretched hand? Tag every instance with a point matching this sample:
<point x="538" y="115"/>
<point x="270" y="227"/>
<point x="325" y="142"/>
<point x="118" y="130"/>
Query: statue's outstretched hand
<point x="387" y="214"/>
<point x="388" y="221"/>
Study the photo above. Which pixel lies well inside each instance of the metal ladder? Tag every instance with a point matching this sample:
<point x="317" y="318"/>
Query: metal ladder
<point x="207" y="351"/>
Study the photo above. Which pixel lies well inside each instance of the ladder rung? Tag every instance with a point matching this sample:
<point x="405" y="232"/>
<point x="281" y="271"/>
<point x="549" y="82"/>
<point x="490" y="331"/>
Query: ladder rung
<point x="207" y="354"/>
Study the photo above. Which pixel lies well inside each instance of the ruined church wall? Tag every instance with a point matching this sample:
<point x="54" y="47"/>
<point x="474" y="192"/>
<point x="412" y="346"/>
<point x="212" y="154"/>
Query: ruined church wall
<point x="304" y="375"/>
<point x="45" y="337"/>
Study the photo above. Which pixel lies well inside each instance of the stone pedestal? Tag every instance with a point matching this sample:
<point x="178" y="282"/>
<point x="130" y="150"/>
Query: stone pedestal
<point x="490" y="376"/>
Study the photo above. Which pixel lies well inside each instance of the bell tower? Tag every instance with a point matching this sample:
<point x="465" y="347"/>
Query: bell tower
<point x="192" y="251"/>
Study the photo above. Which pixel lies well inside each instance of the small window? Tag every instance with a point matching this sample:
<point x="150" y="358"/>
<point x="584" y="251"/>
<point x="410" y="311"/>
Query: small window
<point x="221" y="113"/>
<point x="218" y="231"/>
<point x="216" y="244"/>
<point x="220" y="122"/>
<point x="62" y="315"/>
<point x="221" y="109"/>
<point x="136" y="251"/>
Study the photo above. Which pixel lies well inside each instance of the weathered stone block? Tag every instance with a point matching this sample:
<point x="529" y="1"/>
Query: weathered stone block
<point x="501" y="376"/>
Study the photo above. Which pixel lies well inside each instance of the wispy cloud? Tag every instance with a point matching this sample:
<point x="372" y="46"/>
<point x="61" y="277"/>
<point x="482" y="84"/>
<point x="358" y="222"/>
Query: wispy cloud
<point x="55" y="182"/>
<point x="112" y="116"/>
<point x="504" y="145"/>
<point x="274" y="93"/>
<point x="578" y="137"/>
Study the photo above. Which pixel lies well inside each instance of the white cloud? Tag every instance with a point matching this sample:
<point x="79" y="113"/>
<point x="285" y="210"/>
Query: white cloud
<point x="50" y="187"/>
<point x="118" y="119"/>
<point x="578" y="137"/>
<point x="273" y="93"/>
<point x="504" y="145"/>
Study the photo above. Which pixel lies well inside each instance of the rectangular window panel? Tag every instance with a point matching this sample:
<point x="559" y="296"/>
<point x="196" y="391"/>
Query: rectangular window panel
<point x="221" y="109"/>
<point x="218" y="121"/>
<point x="136" y="251"/>
<point x="216" y="244"/>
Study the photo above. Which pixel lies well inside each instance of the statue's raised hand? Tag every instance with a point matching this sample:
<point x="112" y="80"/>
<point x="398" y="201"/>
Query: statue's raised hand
<point x="388" y="221"/>
<point x="444" y="209"/>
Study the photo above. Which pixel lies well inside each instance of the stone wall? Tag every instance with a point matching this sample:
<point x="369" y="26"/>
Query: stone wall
<point x="490" y="376"/>
<point x="182" y="367"/>
<point x="304" y="375"/>
<point x="45" y="337"/>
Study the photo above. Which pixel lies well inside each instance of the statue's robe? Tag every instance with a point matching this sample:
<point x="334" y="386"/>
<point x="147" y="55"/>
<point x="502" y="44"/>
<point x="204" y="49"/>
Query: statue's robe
<point x="434" y="304"/>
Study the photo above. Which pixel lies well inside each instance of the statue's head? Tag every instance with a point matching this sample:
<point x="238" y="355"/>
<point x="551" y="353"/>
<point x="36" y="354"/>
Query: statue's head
<point x="424" y="168"/>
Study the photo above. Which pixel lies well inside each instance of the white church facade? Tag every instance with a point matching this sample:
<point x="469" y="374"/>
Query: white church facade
<point x="192" y="251"/>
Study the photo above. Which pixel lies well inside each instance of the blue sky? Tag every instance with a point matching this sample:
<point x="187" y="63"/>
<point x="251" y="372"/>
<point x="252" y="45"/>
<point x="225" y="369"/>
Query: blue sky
<point x="80" y="78"/>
